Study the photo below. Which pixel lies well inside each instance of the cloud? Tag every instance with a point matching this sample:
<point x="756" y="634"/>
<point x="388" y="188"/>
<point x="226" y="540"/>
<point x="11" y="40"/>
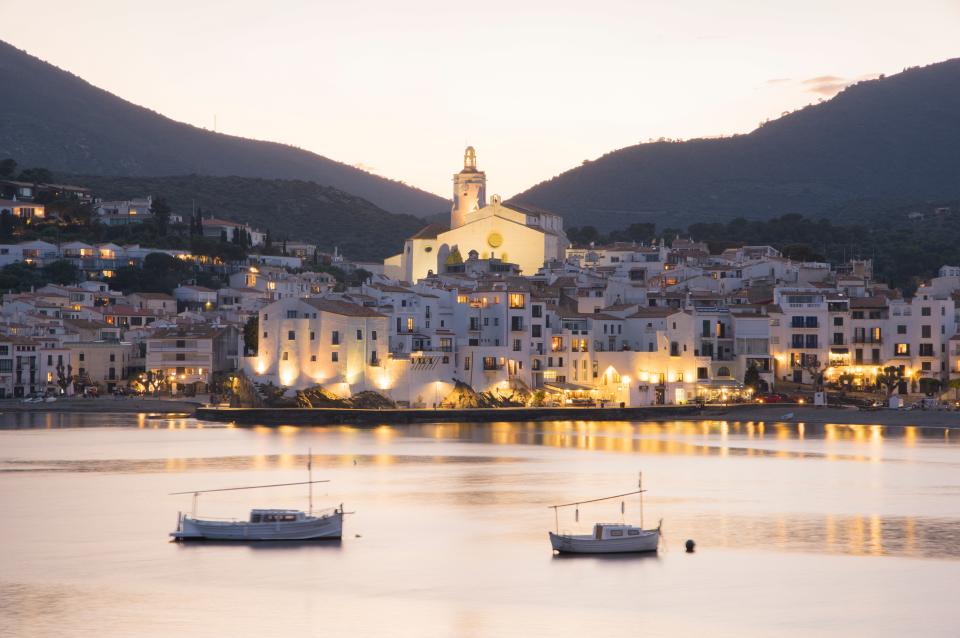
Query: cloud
<point x="777" y="81"/>
<point x="826" y="85"/>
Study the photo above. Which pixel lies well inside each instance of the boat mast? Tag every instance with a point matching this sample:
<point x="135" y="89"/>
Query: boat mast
<point x="640" y="489"/>
<point x="310" y="478"/>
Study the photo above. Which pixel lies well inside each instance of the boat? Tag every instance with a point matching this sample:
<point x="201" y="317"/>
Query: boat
<point x="263" y="524"/>
<point x="607" y="538"/>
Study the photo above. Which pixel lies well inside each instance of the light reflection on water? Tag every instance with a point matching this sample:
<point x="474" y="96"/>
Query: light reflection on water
<point x="449" y="532"/>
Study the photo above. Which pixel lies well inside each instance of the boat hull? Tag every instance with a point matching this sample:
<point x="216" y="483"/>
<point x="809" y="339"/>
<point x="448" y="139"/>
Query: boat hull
<point x="648" y="541"/>
<point x="319" y="528"/>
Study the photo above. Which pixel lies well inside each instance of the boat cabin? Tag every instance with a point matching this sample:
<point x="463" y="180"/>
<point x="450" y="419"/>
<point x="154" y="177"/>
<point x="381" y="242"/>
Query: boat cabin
<point x="610" y="531"/>
<point x="275" y="516"/>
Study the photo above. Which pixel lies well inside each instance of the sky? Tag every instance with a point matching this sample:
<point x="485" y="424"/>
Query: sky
<point x="400" y="88"/>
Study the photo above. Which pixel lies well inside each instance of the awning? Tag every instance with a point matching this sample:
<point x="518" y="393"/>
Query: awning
<point x="720" y="383"/>
<point x="840" y="350"/>
<point x="563" y="386"/>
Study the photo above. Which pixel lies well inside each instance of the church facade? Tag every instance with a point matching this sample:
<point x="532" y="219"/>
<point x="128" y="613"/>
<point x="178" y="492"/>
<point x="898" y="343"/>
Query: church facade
<point x="511" y="232"/>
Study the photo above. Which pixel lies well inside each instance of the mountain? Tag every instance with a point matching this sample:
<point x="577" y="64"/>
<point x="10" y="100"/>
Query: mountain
<point x="291" y="209"/>
<point x="892" y="141"/>
<point x="53" y="119"/>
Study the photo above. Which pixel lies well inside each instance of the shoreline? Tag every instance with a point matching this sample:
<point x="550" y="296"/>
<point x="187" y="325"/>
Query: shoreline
<point x="784" y="413"/>
<point x="273" y="417"/>
<point x="104" y="405"/>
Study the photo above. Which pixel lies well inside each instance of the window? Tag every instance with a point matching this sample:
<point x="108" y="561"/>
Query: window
<point x="701" y="373"/>
<point x="811" y="341"/>
<point x="313" y="335"/>
<point x="181" y="343"/>
<point x="516" y="345"/>
<point x="875" y="335"/>
<point x="795" y="322"/>
<point x="838" y="321"/>
<point x="291" y="335"/>
<point x="902" y="349"/>
<point x="857" y="314"/>
<point x="926" y="349"/>
<point x="409" y="324"/>
<point x="373" y="335"/>
<point x="901" y="329"/>
<point x="616" y="532"/>
<point x="181" y="356"/>
<point x="516" y="323"/>
<point x="537" y="311"/>
<point x="925" y="366"/>
<point x="925" y="332"/>
<point x="335" y="338"/>
<point x="811" y="322"/>
<point x="796" y="341"/>
<point x="264" y="334"/>
<point x="334" y="356"/>
<point x="489" y="363"/>
<point x="313" y="357"/>
<point x="291" y="314"/>
<point x="674" y="349"/>
<point x="82" y="355"/>
<point x="516" y="300"/>
<point x="535" y="331"/>
<point x="113" y="357"/>
<point x="925" y="311"/>
<point x="285" y="356"/>
<point x="858" y="355"/>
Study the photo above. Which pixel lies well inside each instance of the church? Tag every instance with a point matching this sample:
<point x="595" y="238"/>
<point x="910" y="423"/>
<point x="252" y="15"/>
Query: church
<point x="506" y="231"/>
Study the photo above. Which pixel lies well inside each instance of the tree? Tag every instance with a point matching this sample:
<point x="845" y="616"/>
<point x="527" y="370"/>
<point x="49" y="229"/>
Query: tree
<point x="8" y="167"/>
<point x="751" y="378"/>
<point x="61" y="272"/>
<point x="64" y="377"/>
<point x="7" y="224"/>
<point x="814" y="368"/>
<point x="161" y="213"/>
<point x="251" y="334"/>
<point x="890" y="378"/>
<point x="954" y="384"/>
<point x="36" y="176"/>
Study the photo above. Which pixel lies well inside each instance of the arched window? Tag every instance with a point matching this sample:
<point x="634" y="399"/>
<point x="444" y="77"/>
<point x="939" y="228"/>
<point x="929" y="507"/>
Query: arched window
<point x="723" y="372"/>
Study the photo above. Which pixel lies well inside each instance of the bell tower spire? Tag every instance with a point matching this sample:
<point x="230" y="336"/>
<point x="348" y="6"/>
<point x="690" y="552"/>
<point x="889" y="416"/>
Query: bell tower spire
<point x="469" y="189"/>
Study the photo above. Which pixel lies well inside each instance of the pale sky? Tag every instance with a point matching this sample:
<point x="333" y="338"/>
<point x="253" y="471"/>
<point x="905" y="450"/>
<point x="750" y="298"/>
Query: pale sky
<point x="536" y="87"/>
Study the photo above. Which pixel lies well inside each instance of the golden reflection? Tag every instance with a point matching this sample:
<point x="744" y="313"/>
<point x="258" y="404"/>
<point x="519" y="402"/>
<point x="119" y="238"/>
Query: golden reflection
<point x="287" y="431"/>
<point x="910" y="435"/>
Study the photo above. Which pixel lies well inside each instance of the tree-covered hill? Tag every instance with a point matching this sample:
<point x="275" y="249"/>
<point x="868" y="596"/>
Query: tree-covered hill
<point x="52" y="118"/>
<point x="290" y="209"/>
<point x="893" y="140"/>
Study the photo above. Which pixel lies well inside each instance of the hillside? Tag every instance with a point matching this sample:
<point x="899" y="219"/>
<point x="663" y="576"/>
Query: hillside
<point x="291" y="209"/>
<point x="892" y="140"/>
<point x="53" y="119"/>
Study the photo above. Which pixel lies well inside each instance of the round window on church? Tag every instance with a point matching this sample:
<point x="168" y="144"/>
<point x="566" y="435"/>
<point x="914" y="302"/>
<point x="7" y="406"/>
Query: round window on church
<point x="495" y="239"/>
<point x="428" y="249"/>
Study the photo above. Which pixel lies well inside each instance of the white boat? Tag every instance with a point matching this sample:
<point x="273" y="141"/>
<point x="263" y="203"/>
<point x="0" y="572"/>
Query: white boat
<point x="607" y="538"/>
<point x="263" y="524"/>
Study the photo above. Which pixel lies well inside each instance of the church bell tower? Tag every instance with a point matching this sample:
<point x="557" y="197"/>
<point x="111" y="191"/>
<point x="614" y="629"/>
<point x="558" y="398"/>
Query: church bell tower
<point x="469" y="190"/>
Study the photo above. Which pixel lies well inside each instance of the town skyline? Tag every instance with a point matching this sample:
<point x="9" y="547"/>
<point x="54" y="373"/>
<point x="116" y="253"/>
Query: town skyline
<point x="557" y="86"/>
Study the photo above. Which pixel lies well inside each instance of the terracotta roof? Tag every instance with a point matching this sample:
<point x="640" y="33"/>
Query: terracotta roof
<point x="868" y="302"/>
<point x="342" y="308"/>
<point x="429" y="232"/>
<point x="652" y="312"/>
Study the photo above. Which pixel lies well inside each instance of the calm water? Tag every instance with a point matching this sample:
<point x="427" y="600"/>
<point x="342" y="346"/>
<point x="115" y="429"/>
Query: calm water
<point x="815" y="530"/>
